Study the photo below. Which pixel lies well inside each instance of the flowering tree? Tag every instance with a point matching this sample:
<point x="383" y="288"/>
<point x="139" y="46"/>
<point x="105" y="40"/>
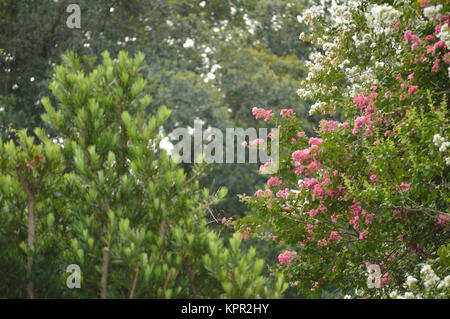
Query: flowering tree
<point x="371" y="191"/>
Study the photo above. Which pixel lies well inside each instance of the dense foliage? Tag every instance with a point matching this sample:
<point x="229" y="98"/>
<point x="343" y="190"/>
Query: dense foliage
<point x="373" y="188"/>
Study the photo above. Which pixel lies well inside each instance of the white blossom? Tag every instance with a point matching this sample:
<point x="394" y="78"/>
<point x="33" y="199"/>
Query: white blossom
<point x="432" y="12"/>
<point x="382" y="18"/>
<point x="444" y="34"/>
<point x="411" y="281"/>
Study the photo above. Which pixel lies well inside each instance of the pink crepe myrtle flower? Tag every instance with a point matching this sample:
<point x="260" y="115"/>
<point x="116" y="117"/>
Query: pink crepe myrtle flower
<point x="322" y="242"/>
<point x="368" y="218"/>
<point x="286" y="112"/>
<point x="315" y="141"/>
<point x="256" y="142"/>
<point x="437" y="45"/>
<point x="444" y="220"/>
<point x="334" y="218"/>
<point x="429" y="38"/>
<point x="435" y="66"/>
<point x="263" y="168"/>
<point x="260" y="193"/>
<point x="300" y="134"/>
<point x="437" y="30"/>
<point x="385" y="279"/>
<point x="313" y="166"/>
<point x="405" y="187"/>
<point x="329" y="126"/>
<point x="360" y="100"/>
<point x="409" y="37"/>
<point x="313" y="212"/>
<point x="262" y="113"/>
<point x="363" y="235"/>
<point x="287" y="257"/>
<point x="388" y="95"/>
<point x="283" y="193"/>
<point x="412" y="89"/>
<point x="301" y="155"/>
<point x="274" y="181"/>
<point x="360" y="122"/>
<point x="334" y="237"/>
<point x="446" y="58"/>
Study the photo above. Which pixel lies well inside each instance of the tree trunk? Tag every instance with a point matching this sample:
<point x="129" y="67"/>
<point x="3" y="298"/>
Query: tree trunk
<point x="31" y="237"/>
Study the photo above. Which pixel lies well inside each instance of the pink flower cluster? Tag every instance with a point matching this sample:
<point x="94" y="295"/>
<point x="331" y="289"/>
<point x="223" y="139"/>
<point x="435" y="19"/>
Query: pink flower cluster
<point x="315" y="141"/>
<point x="444" y="220"/>
<point x="287" y="257"/>
<point x="364" y="103"/>
<point x="286" y="112"/>
<point x="318" y="188"/>
<point x="403" y="187"/>
<point x="334" y="237"/>
<point x="262" y="194"/>
<point x="414" y="39"/>
<point x="362" y="121"/>
<point x="274" y="181"/>
<point x="262" y="113"/>
<point x="329" y="126"/>
<point x="283" y="193"/>
<point x="256" y="142"/>
<point x="301" y="156"/>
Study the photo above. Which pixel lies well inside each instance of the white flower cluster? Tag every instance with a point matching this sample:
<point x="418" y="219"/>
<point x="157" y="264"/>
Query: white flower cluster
<point x="335" y="57"/>
<point x="382" y="18"/>
<point x="431" y="279"/>
<point x="432" y="12"/>
<point x="341" y="14"/>
<point x="444" y="35"/>
<point x="318" y="107"/>
<point x="434" y="286"/>
<point x="443" y="145"/>
<point x="311" y="14"/>
<point x="440" y="142"/>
